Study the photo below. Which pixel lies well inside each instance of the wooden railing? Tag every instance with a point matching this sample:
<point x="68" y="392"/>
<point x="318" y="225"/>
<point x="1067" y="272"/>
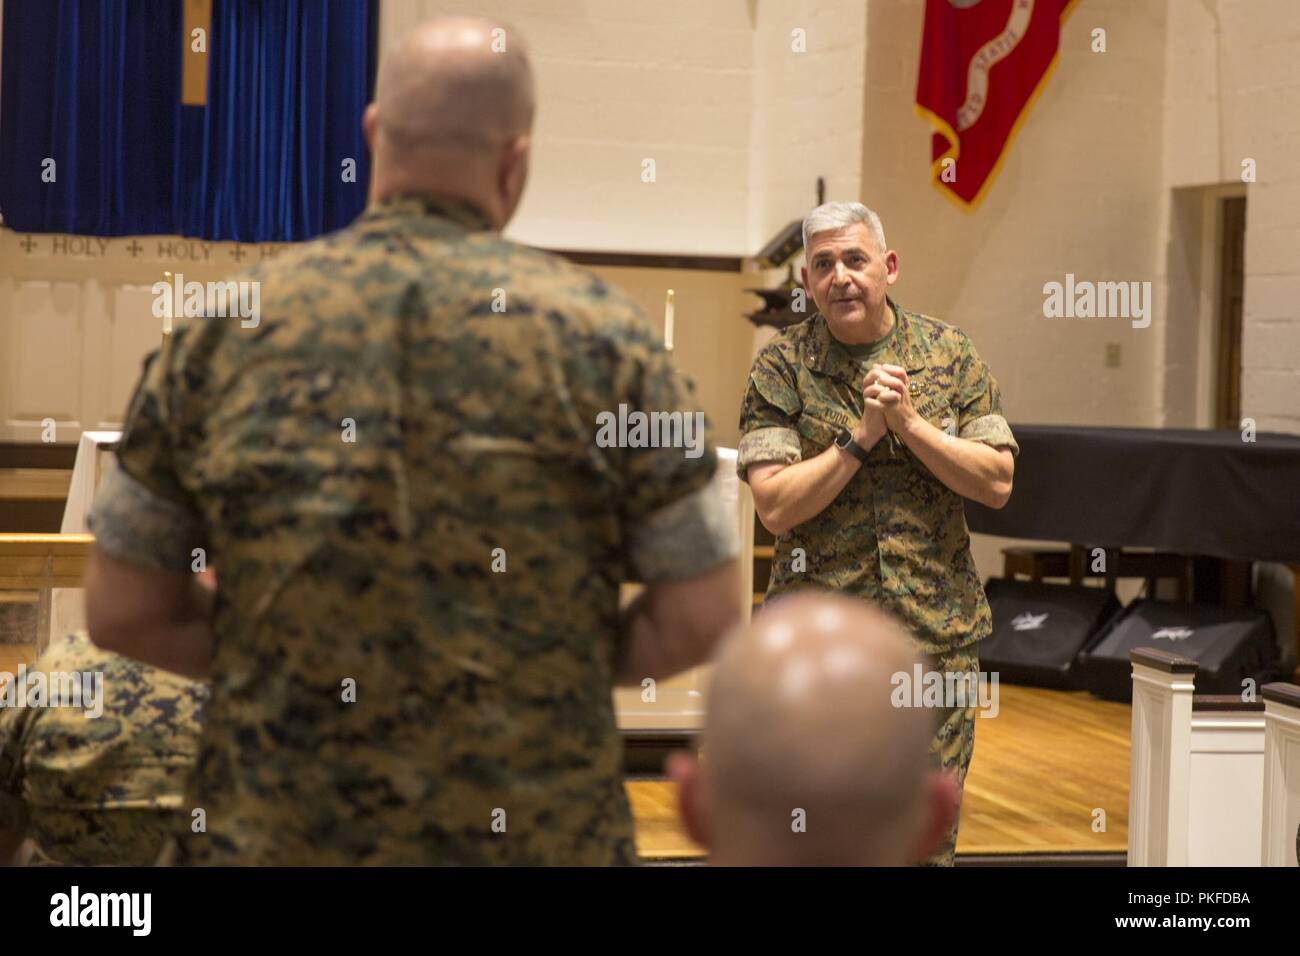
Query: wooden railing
<point x="43" y="560"/>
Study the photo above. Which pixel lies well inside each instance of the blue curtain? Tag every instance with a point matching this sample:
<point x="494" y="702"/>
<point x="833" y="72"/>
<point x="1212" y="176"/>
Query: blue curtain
<point x="95" y="85"/>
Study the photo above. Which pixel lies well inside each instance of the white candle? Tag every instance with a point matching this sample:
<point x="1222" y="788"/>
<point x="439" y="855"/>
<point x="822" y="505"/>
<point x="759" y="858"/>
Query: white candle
<point x="167" y="315"/>
<point x="668" y="322"/>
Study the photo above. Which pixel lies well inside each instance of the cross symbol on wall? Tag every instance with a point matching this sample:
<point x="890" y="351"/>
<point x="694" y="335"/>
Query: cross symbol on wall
<point x="238" y="252"/>
<point x="27" y="244"/>
<point x="134" y="248"/>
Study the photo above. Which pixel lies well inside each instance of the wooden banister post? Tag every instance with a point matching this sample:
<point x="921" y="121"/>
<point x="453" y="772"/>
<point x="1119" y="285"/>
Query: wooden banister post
<point x="1281" y="823"/>
<point x="1160" y="760"/>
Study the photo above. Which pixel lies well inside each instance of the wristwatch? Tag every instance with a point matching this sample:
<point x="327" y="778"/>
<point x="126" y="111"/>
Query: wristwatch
<point x="845" y="441"/>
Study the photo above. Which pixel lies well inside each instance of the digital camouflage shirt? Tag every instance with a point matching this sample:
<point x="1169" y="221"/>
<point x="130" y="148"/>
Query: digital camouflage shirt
<point x="419" y="544"/>
<point x="105" y="789"/>
<point x="895" y="535"/>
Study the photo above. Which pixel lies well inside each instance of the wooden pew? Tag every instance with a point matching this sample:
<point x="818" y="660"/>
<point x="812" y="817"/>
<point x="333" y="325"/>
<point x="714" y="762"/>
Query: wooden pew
<point x="1226" y="781"/>
<point x="32" y="499"/>
<point x="39" y="563"/>
<point x="1281" y="812"/>
<point x="1214" y="780"/>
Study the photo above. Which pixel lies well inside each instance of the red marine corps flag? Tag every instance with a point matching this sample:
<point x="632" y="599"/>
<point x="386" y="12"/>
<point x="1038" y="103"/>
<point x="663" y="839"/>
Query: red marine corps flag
<point x="982" y="64"/>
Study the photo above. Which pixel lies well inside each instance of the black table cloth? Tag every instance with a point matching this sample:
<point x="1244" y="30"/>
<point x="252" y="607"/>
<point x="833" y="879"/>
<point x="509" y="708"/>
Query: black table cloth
<point x="1182" y="490"/>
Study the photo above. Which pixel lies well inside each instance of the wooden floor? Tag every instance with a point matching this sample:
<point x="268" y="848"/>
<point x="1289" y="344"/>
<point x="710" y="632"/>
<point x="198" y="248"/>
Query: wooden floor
<point x="1042" y="766"/>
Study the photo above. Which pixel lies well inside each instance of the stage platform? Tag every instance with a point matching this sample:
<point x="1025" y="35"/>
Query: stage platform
<point x="1042" y="769"/>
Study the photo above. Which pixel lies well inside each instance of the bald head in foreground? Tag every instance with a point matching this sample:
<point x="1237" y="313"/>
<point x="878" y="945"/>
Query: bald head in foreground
<point x="805" y="760"/>
<point x="453" y="114"/>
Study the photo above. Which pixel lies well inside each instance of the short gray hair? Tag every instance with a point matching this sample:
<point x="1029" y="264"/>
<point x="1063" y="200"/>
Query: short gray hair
<point x="837" y="215"/>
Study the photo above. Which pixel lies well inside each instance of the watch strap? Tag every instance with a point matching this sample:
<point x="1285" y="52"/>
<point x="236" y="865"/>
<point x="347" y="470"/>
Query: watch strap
<point x="845" y="441"/>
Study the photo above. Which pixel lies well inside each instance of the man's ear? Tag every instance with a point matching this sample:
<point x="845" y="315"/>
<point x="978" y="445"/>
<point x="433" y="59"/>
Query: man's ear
<point x="369" y="123"/>
<point x="512" y="175"/>
<point x="891" y="267"/>
<point x="692" y="800"/>
<point x="803" y="277"/>
<point x="941" y="804"/>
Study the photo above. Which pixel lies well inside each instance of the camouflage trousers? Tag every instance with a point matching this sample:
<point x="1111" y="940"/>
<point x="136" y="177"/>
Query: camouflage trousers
<point x="954" y="742"/>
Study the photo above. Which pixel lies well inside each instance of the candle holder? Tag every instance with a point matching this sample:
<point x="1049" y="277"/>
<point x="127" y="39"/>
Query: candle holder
<point x="171" y="305"/>
<point x="668" y="322"/>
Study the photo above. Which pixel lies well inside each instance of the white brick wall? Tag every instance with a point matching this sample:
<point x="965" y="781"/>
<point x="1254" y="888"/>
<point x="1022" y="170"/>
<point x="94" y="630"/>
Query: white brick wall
<point x="618" y="83"/>
<point x="807" y="110"/>
<point x="1260" y="44"/>
<point x="739" y="126"/>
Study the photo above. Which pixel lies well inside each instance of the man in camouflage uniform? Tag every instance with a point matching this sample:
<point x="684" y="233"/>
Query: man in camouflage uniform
<point x="420" y="540"/>
<point x="98" y="790"/>
<point x="863" y="428"/>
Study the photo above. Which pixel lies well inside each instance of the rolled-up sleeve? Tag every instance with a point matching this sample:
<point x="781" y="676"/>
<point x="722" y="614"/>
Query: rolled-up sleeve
<point x="768" y="415"/>
<point x="140" y="527"/>
<point x="685" y="538"/>
<point x="142" y="512"/>
<point x="980" y="405"/>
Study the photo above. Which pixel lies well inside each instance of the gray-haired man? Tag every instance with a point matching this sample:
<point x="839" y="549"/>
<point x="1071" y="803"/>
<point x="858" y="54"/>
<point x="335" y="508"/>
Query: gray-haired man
<point x="863" y="428"/>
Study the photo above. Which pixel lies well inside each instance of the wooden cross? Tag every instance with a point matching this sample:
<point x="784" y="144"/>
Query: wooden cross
<point x="195" y="37"/>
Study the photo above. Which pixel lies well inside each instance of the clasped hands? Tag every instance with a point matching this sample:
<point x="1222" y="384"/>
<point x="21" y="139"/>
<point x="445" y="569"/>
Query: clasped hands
<point x="886" y="404"/>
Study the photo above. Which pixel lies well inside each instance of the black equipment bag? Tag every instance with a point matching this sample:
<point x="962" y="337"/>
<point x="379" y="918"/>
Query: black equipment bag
<point x="1229" y="644"/>
<point x="1040" y="629"/>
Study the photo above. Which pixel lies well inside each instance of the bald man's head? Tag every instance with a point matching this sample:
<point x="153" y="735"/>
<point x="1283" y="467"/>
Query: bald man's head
<point x="452" y="115"/>
<point x="806" y="760"/>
